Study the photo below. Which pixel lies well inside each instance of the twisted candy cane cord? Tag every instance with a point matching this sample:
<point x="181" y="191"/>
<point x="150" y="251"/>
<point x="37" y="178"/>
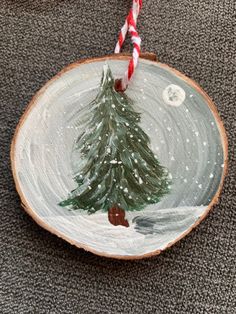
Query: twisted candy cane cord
<point x="130" y="26"/>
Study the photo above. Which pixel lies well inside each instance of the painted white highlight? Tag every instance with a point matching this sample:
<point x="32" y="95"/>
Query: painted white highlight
<point x="113" y="162"/>
<point x="140" y="181"/>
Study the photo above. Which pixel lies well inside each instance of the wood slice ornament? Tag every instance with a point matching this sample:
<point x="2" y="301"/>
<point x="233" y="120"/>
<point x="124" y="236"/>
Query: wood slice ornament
<point x="119" y="172"/>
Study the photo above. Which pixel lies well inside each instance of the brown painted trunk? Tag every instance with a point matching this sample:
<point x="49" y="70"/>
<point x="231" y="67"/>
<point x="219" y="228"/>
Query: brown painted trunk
<point x="116" y="216"/>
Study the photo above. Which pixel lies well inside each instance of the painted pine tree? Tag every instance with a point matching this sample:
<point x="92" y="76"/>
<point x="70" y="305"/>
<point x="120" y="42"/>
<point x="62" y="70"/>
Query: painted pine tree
<point x="118" y="172"/>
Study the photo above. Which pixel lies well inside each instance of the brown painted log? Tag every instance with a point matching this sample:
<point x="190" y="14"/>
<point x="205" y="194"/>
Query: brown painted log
<point x="116" y="216"/>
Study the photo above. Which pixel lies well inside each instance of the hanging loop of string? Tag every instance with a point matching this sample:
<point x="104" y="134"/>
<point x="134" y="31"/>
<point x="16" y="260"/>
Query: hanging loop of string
<point x="130" y="26"/>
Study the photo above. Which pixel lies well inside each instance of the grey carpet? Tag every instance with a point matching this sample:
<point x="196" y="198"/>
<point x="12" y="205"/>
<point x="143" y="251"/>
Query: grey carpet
<point x="41" y="273"/>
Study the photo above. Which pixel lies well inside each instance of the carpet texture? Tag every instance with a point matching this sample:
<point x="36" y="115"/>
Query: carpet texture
<point x="41" y="273"/>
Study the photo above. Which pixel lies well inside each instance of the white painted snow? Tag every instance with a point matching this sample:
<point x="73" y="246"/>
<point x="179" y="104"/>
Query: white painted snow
<point x="96" y="232"/>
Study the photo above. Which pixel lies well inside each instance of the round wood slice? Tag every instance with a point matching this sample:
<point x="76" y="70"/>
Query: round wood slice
<point x="185" y="132"/>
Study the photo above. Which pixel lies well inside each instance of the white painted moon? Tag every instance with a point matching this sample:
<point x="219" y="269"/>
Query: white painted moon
<point x="173" y="95"/>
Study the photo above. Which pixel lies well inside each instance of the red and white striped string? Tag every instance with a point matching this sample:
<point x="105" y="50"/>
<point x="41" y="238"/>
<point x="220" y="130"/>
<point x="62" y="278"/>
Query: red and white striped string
<point x="130" y="26"/>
